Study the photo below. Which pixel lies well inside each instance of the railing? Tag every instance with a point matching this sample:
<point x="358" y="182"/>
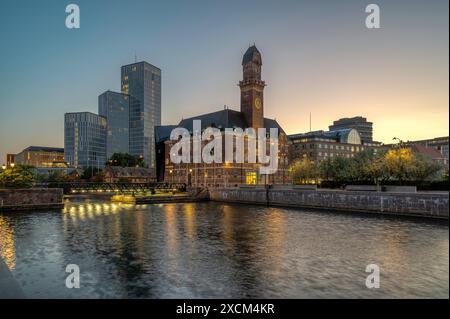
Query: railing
<point x="119" y="188"/>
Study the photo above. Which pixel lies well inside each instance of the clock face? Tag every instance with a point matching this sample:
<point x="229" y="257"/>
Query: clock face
<point x="258" y="103"/>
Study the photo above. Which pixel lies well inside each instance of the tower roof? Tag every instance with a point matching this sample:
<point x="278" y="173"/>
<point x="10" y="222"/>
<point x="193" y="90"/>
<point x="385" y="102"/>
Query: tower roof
<point x="252" y="55"/>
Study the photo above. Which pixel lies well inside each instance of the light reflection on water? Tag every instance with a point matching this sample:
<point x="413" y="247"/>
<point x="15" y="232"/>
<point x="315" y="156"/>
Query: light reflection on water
<point x="201" y="250"/>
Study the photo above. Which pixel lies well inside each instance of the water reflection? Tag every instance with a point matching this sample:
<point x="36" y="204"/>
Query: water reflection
<point x="220" y="250"/>
<point x="7" y="249"/>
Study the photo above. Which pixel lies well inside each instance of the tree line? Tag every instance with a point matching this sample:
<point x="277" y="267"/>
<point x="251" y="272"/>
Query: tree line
<point x="398" y="166"/>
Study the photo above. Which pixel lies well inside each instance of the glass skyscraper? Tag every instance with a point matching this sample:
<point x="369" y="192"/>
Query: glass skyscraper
<point x="115" y="107"/>
<point x="142" y="82"/>
<point x="85" y="139"/>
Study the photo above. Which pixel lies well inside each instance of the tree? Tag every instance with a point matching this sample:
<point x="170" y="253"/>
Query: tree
<point x="19" y="176"/>
<point x="125" y="160"/>
<point x="93" y="174"/>
<point x="303" y="171"/>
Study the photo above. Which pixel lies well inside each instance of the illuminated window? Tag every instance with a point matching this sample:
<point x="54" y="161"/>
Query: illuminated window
<point x="250" y="178"/>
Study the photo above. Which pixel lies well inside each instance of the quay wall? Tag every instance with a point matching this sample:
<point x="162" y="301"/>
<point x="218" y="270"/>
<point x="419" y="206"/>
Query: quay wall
<point x="434" y="205"/>
<point x="31" y="198"/>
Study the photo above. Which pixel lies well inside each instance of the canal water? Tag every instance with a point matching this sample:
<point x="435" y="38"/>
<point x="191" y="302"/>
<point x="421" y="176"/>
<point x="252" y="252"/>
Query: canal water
<point x="205" y="250"/>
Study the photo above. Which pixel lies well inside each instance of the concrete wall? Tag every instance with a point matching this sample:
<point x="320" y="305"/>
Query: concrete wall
<point x="414" y="204"/>
<point x="33" y="198"/>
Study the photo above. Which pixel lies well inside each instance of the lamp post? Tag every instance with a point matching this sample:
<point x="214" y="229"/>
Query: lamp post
<point x="12" y="165"/>
<point x="3" y="166"/>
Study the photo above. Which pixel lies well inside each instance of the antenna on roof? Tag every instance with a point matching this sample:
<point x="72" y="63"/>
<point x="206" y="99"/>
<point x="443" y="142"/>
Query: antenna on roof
<point x="310" y="122"/>
<point x="135" y="57"/>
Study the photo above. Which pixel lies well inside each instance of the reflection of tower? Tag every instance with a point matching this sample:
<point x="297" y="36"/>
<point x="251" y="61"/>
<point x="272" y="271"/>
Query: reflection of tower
<point x="252" y="99"/>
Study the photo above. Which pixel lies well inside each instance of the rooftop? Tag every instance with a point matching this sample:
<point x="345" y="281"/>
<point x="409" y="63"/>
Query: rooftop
<point x="43" y="149"/>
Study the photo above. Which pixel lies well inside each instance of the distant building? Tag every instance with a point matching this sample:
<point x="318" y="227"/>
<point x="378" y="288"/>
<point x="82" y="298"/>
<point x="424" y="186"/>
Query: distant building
<point x="359" y="123"/>
<point x="85" y="139"/>
<point x="115" y="107"/>
<point x="251" y="115"/>
<point x="429" y="152"/>
<point x="322" y="145"/>
<point x="10" y="159"/>
<point x="142" y="81"/>
<point x="116" y="174"/>
<point x="41" y="157"/>
<point x="439" y="143"/>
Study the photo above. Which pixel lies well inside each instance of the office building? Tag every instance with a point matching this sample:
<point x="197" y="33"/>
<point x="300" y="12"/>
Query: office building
<point x="85" y="139"/>
<point x="359" y="123"/>
<point x="142" y="82"/>
<point x="115" y="107"/>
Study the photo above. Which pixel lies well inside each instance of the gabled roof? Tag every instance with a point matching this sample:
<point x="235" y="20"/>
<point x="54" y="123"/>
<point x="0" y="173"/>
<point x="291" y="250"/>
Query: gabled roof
<point x="162" y="132"/>
<point x="225" y="119"/>
<point x="427" y="151"/>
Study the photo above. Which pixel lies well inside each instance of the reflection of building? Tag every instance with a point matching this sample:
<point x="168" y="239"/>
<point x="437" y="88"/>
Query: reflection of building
<point x="116" y="174"/>
<point x="115" y="108"/>
<point x="358" y="123"/>
<point x="439" y="143"/>
<point x="321" y="145"/>
<point x="84" y="139"/>
<point x="10" y="159"/>
<point x="251" y="115"/>
<point x="142" y="81"/>
<point x="41" y="156"/>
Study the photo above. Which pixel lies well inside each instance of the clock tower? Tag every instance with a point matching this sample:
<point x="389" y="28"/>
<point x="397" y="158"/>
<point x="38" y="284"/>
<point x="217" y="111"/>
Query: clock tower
<point x="252" y="87"/>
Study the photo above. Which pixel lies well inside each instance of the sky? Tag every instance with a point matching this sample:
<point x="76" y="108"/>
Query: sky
<point x="318" y="56"/>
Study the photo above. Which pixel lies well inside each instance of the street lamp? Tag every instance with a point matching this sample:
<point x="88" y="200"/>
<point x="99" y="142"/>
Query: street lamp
<point x="12" y="165"/>
<point x="3" y="166"/>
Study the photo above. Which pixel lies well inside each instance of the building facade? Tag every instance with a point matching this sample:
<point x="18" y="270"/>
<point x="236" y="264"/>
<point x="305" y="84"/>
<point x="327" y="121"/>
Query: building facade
<point x="142" y="82"/>
<point x="115" y="174"/>
<point x="439" y="143"/>
<point x="10" y="159"/>
<point x="85" y="139"/>
<point x="115" y="107"/>
<point x="321" y="145"/>
<point x="359" y="123"/>
<point x="251" y="115"/>
<point x="40" y="157"/>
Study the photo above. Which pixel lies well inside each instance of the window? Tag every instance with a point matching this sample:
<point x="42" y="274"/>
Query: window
<point x="250" y="178"/>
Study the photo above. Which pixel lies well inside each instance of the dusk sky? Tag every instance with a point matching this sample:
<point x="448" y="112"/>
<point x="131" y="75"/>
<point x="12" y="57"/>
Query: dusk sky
<point x="318" y="56"/>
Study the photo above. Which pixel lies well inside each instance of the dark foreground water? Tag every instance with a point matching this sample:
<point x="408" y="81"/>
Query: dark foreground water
<point x="203" y="250"/>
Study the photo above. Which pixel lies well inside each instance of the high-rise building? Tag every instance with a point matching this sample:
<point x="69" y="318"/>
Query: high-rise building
<point x="115" y="107"/>
<point x="142" y="82"/>
<point x="359" y="123"/>
<point x="85" y="139"/>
